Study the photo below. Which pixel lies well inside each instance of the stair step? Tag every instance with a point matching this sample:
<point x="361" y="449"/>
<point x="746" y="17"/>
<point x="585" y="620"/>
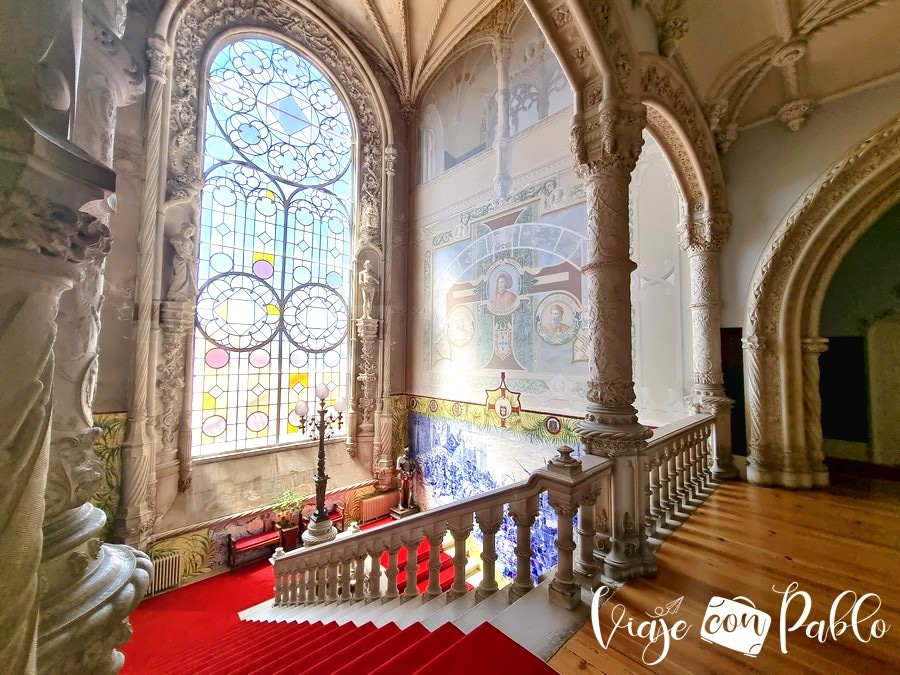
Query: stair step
<point x="342" y="657"/>
<point x="372" y="611"/>
<point x="408" y="609"/>
<point x="496" y="653"/>
<point x="483" y="611"/>
<point x="548" y="625"/>
<point x="385" y="650"/>
<point x="420" y="651"/>
<point x="451" y="611"/>
<point x="312" y="661"/>
<point x="299" y="647"/>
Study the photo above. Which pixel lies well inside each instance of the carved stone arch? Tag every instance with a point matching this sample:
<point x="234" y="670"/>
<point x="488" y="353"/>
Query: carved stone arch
<point x="785" y="298"/>
<point x="593" y="43"/>
<point x="676" y="118"/>
<point x="172" y="181"/>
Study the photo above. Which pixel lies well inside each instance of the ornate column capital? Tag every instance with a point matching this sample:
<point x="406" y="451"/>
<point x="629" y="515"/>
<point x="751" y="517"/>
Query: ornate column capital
<point x="814" y="345"/>
<point x="611" y="142"/>
<point x="755" y="343"/>
<point x="502" y="46"/>
<point x="159" y="54"/>
<point x="704" y="232"/>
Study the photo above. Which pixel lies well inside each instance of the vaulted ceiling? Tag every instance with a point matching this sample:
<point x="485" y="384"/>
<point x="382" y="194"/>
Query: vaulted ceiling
<point x="747" y="60"/>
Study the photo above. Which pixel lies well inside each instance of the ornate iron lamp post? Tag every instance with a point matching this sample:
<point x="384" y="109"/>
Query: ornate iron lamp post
<point x="320" y="528"/>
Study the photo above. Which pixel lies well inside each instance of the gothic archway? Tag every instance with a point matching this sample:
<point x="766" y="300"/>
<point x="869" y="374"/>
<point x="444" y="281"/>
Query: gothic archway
<point x="781" y="327"/>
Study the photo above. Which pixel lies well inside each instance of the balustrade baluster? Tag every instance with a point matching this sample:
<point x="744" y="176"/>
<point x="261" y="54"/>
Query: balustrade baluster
<point x="523" y="513"/>
<point x="650" y="466"/>
<point x="460" y="528"/>
<point x="321" y="582"/>
<point x="391" y="591"/>
<point x="489" y="520"/>
<point x="412" y="565"/>
<point x="292" y="588"/>
<point x="374" y="573"/>
<point x="302" y="579"/>
<point x="680" y="491"/>
<point x="359" y="591"/>
<point x="345" y="579"/>
<point x="331" y="580"/>
<point x="563" y="589"/>
<point x="435" y="537"/>
<point x="311" y="584"/>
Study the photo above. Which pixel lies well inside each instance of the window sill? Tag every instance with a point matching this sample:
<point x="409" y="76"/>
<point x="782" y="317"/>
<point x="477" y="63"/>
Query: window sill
<point x="241" y="454"/>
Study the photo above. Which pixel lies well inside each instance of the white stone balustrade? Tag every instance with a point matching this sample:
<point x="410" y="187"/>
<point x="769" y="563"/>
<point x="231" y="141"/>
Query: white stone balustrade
<point x="679" y="464"/>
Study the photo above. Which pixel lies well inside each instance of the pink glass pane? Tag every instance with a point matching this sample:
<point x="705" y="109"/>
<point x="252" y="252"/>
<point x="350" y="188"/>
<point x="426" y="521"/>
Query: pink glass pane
<point x="214" y="426"/>
<point x="263" y="269"/>
<point x="257" y="421"/>
<point x="217" y="358"/>
<point x="259" y="358"/>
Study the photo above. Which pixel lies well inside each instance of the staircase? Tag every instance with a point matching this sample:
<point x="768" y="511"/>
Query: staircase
<point x="270" y="648"/>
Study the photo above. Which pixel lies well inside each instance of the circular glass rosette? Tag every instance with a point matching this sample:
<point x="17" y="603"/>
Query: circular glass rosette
<point x="316" y="317"/>
<point x="238" y="311"/>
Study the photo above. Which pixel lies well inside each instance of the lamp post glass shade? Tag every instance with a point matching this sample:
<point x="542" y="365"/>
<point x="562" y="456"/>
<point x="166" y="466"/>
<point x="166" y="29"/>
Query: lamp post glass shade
<point x="321" y="391"/>
<point x="302" y="408"/>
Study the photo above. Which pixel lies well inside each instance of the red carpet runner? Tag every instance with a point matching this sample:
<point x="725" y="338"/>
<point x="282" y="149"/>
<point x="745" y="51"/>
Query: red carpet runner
<point x="317" y="649"/>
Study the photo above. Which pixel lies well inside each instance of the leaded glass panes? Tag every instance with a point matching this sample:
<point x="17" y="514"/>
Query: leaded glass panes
<point x="274" y="251"/>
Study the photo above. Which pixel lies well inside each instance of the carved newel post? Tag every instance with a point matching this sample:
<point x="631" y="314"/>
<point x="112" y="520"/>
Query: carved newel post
<point x="703" y="237"/>
<point x="606" y="149"/>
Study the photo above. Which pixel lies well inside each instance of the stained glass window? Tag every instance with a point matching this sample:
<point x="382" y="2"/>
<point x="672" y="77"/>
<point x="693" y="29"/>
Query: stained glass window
<point x="274" y="251"/>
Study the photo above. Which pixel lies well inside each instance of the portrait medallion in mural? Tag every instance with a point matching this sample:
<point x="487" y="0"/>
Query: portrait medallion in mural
<point x="558" y="318"/>
<point x="460" y="326"/>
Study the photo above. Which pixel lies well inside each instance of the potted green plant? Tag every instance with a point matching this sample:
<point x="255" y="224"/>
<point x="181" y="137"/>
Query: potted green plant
<point x="287" y="509"/>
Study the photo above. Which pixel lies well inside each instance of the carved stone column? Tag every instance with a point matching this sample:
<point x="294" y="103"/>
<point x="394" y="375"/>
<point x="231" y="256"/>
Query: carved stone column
<point x="135" y="516"/>
<point x="812" y="409"/>
<point x="703" y="237"/>
<point x="606" y="150"/>
<point x="760" y="467"/>
<point x="383" y="454"/>
<point x="30" y="286"/>
<point x="502" y="180"/>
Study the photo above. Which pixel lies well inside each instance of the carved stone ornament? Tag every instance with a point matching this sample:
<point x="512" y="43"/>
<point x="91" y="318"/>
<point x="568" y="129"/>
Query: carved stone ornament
<point x="704" y="232"/>
<point x="611" y="142"/>
<point x="367" y="329"/>
<point x="794" y="114"/>
<point x="183" y="281"/>
<point x="74" y="474"/>
<point x="37" y="224"/>
<point x="200" y="25"/>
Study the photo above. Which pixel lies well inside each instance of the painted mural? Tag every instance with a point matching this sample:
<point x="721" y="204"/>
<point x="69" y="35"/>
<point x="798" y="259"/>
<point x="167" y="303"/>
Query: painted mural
<point x="506" y="294"/>
<point x="465" y="449"/>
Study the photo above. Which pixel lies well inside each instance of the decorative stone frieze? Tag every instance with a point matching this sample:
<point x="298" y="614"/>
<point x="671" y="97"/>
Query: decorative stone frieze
<point x="367" y="375"/>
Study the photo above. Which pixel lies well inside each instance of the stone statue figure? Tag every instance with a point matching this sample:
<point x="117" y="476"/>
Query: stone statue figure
<point x="368" y="226"/>
<point x="406" y="479"/>
<point x="183" y="284"/>
<point x="368" y="284"/>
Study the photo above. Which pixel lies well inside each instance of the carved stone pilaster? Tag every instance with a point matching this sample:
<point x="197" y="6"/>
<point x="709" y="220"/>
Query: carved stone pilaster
<point x="760" y="468"/>
<point x="177" y="322"/>
<point x="367" y="373"/>
<point x="812" y="408"/>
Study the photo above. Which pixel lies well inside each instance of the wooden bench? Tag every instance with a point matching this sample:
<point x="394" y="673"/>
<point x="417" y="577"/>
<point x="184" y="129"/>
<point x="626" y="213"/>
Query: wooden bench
<point x="254" y="541"/>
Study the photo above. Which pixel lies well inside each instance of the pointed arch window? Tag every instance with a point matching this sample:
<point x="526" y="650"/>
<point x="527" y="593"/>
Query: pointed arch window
<point x="274" y="274"/>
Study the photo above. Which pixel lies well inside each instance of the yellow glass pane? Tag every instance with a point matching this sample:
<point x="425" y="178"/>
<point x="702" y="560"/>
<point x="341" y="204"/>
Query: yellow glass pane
<point x="272" y="309"/>
<point x="301" y="378"/>
<point x="268" y="257"/>
<point x="209" y="403"/>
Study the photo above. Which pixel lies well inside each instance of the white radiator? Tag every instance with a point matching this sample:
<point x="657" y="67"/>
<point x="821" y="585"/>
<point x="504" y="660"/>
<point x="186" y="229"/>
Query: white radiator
<point x="378" y="505"/>
<point x="166" y="573"/>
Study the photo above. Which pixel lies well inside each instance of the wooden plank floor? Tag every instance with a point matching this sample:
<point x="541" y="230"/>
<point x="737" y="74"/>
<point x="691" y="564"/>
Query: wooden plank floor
<point x="743" y="541"/>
